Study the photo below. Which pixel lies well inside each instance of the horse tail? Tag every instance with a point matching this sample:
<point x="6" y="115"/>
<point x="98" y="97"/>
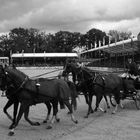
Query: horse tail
<point x="74" y="94"/>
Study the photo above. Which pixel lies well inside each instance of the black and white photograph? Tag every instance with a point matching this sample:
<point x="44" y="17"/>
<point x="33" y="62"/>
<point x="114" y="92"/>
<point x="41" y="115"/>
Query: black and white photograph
<point x="69" y="70"/>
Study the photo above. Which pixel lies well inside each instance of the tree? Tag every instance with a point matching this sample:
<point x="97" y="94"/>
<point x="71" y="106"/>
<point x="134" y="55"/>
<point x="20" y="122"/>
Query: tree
<point x="95" y="36"/>
<point x="118" y="35"/>
<point x="5" y="45"/>
<point x="64" y="41"/>
<point x="19" y="38"/>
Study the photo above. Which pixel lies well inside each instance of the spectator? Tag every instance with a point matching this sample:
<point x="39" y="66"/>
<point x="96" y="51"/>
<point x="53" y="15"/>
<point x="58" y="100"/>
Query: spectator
<point x="131" y="67"/>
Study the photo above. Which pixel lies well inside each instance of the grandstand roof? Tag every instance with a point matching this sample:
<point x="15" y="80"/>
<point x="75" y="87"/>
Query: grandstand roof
<point x="125" y="46"/>
<point x="31" y="55"/>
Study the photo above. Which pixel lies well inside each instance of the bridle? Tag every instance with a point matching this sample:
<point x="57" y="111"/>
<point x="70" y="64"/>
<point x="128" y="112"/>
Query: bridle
<point x="7" y="83"/>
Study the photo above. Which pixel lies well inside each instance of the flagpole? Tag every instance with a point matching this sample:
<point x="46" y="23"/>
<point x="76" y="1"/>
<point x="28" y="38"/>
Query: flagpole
<point x="22" y="56"/>
<point x="123" y="57"/>
<point x="34" y="57"/>
<point x="132" y="47"/>
<point x="11" y="60"/>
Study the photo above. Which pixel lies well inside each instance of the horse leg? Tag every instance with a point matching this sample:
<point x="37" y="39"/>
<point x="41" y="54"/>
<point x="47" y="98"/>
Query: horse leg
<point x="66" y="102"/>
<point x="26" y="114"/>
<point x="90" y="110"/>
<point x="48" y="104"/>
<point x="98" y="100"/>
<point x="54" y="117"/>
<point x="105" y="97"/>
<point x="21" y="111"/>
<point x="117" y="98"/>
<point x="8" y="104"/>
<point x="122" y="106"/>
<point x="86" y="98"/>
<point x="115" y="110"/>
<point x="16" y="103"/>
<point x="55" y="110"/>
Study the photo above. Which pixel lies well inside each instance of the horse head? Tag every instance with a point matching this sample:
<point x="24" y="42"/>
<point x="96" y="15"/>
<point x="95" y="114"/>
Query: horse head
<point x="85" y="74"/>
<point x="12" y="76"/>
<point x="71" y="67"/>
<point x="2" y="78"/>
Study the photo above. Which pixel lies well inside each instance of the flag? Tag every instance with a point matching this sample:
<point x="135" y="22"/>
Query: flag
<point x="91" y="45"/>
<point x="123" y="43"/>
<point x="103" y="40"/>
<point x="109" y="40"/>
<point x="22" y="53"/>
<point x="34" y="50"/>
<point x="44" y="55"/>
<point x="95" y="44"/>
<point x="115" y="41"/>
<point x="10" y="53"/>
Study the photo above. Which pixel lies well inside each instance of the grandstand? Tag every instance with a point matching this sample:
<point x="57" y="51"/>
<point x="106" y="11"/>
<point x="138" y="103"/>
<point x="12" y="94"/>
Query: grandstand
<point x="40" y="59"/>
<point x="115" y="54"/>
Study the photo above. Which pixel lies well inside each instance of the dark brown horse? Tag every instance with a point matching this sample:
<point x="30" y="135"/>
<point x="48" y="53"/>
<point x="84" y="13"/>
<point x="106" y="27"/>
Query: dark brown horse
<point x="12" y="100"/>
<point x="39" y="90"/>
<point x="85" y="77"/>
<point x="109" y="84"/>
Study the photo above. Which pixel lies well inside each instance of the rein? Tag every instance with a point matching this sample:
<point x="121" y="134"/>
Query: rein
<point x="45" y="73"/>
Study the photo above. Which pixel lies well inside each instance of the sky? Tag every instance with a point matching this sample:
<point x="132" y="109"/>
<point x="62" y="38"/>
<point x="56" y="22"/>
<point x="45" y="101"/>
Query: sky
<point x="52" y="16"/>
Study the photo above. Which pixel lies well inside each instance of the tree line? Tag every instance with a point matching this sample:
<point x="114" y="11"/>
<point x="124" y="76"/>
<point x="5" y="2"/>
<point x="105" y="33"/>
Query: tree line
<point x="32" y="40"/>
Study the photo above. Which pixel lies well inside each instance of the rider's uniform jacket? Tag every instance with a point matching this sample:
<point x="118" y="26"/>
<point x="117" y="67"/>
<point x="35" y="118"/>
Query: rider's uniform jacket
<point x="132" y="68"/>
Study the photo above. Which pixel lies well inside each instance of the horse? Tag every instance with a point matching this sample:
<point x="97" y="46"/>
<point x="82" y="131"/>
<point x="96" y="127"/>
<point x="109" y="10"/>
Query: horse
<point x="41" y="90"/>
<point x="110" y="84"/>
<point x="85" y="77"/>
<point x="12" y="100"/>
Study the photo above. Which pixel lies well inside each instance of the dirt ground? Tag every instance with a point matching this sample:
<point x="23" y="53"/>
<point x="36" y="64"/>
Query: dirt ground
<point x="125" y="125"/>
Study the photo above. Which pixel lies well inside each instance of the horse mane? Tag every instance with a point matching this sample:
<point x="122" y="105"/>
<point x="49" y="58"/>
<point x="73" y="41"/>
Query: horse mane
<point x="16" y="75"/>
<point x="88" y="71"/>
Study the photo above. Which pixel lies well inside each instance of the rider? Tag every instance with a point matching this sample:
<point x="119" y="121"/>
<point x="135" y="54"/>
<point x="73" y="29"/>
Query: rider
<point x="132" y="68"/>
<point x="132" y="72"/>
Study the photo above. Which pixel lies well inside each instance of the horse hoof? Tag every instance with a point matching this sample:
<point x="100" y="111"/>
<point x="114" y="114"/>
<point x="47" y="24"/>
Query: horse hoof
<point x="58" y="120"/>
<point x="11" y="133"/>
<point x="92" y="111"/>
<point x="105" y="111"/>
<point x="113" y="112"/>
<point x="45" y="121"/>
<point x="108" y="107"/>
<point x="11" y="127"/>
<point x="37" y="123"/>
<point x="122" y="106"/>
<point x="86" y="116"/>
<point x="76" y="122"/>
<point x="95" y="110"/>
<point x="68" y="113"/>
<point x="49" y="127"/>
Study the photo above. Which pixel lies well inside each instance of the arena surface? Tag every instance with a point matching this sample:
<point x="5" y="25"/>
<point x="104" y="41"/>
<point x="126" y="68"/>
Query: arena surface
<point x="125" y="125"/>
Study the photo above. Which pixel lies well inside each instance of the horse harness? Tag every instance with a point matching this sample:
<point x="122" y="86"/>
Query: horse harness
<point x="93" y="78"/>
<point x="21" y="86"/>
